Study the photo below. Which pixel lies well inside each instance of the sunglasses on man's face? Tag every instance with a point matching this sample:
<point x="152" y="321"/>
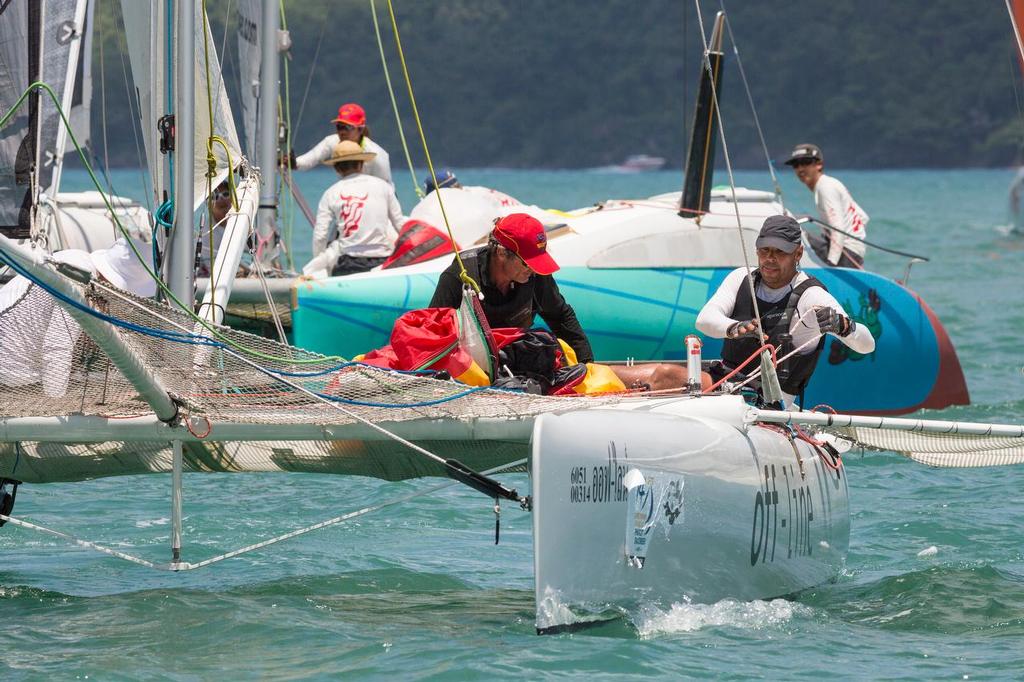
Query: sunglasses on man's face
<point x="343" y="127"/>
<point x="221" y="194"/>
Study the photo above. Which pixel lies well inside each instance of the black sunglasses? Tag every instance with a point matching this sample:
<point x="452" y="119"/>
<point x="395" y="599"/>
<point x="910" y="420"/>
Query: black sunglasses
<point x="343" y="127"/>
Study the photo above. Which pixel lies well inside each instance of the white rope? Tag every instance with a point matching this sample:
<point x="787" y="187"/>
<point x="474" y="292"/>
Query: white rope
<point x="728" y="167"/>
<point x="186" y="566"/>
<point x="778" y="361"/>
<point x="261" y="276"/>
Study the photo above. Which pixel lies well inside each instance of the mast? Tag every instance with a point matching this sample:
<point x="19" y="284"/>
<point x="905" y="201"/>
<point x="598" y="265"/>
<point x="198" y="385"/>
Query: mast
<point x="36" y="20"/>
<point x="700" y="159"/>
<point x="180" y="250"/>
<point x="267" y="130"/>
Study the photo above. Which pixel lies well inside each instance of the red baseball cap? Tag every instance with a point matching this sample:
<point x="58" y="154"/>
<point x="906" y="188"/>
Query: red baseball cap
<point x="524" y="235"/>
<point x="351" y="114"/>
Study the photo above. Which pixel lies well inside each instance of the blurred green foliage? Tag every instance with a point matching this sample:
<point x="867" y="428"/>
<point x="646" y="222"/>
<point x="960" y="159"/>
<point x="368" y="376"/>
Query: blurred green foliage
<point x="543" y="83"/>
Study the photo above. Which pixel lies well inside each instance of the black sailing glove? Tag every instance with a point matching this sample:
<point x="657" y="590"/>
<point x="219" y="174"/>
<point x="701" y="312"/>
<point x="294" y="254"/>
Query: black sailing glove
<point x="742" y="329"/>
<point x="831" y="322"/>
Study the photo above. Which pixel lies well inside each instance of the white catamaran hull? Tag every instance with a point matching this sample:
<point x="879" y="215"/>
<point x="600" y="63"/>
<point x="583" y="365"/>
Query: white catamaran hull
<point x="725" y="510"/>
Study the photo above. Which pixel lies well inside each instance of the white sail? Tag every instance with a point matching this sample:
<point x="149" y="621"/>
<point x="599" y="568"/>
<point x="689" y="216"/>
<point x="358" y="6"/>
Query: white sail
<point x="81" y="98"/>
<point x="67" y="33"/>
<point x="249" y="60"/>
<point x="145" y="29"/>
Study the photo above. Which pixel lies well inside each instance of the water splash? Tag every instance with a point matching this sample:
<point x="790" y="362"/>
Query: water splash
<point x="746" y="615"/>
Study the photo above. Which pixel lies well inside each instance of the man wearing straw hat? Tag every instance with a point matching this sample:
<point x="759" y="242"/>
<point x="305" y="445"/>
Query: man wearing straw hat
<point x="358" y="218"/>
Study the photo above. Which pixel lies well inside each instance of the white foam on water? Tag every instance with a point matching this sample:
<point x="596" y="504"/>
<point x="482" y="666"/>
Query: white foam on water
<point x="163" y="521"/>
<point x="928" y="551"/>
<point x="747" y="615"/>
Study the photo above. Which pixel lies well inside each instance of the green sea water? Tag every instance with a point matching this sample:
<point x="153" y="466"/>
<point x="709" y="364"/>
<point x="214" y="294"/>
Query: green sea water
<point x="419" y="590"/>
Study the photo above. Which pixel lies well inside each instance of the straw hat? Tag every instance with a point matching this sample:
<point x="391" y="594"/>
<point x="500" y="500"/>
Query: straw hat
<point x="122" y="268"/>
<point x="347" y="150"/>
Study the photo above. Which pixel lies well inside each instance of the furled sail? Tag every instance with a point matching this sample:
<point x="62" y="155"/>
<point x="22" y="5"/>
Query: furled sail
<point x="16" y="145"/>
<point x="145" y="28"/>
<point x="249" y="60"/>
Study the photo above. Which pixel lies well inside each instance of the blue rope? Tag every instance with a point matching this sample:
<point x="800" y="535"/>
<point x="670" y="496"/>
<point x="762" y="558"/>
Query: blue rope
<point x="180" y="337"/>
<point x="425" y="403"/>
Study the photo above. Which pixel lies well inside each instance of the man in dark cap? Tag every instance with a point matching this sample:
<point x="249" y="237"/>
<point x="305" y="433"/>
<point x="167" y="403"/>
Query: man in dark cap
<point x="836" y="208"/>
<point x="796" y="310"/>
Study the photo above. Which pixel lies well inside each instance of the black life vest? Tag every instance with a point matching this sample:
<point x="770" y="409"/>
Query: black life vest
<point x="776" y="317"/>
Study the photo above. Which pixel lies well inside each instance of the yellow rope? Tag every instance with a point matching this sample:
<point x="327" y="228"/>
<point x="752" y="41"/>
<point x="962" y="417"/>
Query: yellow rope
<point x="394" y="102"/>
<point x="463" y="275"/>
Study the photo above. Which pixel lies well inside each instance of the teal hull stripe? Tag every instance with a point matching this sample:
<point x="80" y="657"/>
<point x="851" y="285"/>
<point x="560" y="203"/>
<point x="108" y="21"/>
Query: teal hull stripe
<point x="351" y="320"/>
<point x="623" y="335"/>
<point x="324" y="303"/>
<point x="671" y="319"/>
<point x="629" y="297"/>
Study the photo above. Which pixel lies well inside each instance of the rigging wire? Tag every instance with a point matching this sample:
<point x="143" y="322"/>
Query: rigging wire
<point x="463" y="274"/>
<point x="753" y="109"/>
<point x="312" y="69"/>
<point x="140" y="155"/>
<point x="284" y="110"/>
<point x="143" y="262"/>
<point x="728" y="166"/>
<point x="394" y="103"/>
<point x="186" y="566"/>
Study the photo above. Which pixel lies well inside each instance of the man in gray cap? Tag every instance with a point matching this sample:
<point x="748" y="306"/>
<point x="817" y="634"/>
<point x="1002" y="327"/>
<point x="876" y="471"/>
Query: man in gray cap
<point x="836" y="208"/>
<point x="796" y="311"/>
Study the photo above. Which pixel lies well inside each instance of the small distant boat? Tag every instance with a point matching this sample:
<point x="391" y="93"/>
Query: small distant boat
<point x="639" y="163"/>
<point x="642" y="162"/>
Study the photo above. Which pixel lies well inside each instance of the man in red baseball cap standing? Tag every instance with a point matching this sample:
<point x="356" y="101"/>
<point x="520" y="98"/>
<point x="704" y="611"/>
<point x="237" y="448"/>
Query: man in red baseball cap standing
<point x="349" y="124"/>
<point x="514" y="273"/>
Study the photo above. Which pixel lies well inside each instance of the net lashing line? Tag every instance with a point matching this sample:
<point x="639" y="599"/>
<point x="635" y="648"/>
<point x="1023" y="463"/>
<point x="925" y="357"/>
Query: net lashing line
<point x="214" y="383"/>
<point x="218" y="386"/>
<point x="937" y="450"/>
<point x="188" y="566"/>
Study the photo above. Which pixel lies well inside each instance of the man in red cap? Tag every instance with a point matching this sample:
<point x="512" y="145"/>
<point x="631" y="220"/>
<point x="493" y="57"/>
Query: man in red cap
<point x="514" y="273"/>
<point x="349" y="124"/>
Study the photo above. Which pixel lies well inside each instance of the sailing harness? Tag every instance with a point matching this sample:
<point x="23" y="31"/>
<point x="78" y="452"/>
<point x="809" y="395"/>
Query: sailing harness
<point x="776" y="317"/>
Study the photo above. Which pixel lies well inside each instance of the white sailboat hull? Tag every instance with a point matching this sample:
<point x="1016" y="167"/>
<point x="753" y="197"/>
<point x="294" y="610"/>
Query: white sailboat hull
<point x="729" y="511"/>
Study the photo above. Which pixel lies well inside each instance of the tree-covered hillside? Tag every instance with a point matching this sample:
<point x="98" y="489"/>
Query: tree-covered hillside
<point x="543" y="83"/>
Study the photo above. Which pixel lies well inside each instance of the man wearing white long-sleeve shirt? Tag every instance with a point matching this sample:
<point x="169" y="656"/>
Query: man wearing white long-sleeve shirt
<point x="358" y="219"/>
<point x="350" y="124"/>
<point x="796" y="310"/>
<point x="836" y="208"/>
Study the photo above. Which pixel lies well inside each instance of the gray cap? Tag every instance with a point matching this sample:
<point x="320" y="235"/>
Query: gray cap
<point x="781" y="232"/>
<point x="802" y="151"/>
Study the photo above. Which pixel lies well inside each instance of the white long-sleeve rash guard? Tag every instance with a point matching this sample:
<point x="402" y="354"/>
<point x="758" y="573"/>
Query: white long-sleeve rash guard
<point x="715" y="317"/>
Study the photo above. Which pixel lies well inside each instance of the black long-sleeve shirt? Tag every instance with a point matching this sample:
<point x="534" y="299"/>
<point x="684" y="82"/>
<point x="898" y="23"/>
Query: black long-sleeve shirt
<point x="517" y="308"/>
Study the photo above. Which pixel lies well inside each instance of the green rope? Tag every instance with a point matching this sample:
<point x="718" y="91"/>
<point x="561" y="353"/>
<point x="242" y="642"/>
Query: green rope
<point x="131" y="243"/>
<point x="394" y="102"/>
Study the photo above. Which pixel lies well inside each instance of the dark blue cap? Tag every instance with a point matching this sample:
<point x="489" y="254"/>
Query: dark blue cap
<point x="781" y="232"/>
<point x="445" y="178"/>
